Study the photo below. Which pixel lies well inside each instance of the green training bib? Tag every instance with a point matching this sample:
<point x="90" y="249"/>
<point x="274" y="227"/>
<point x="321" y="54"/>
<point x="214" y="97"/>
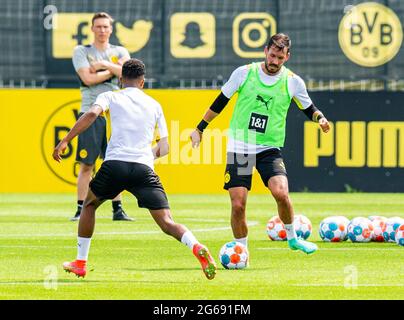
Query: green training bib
<point x="260" y="113"/>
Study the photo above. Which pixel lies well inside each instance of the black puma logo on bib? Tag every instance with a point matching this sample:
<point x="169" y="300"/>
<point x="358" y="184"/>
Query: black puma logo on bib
<point x="261" y="99"/>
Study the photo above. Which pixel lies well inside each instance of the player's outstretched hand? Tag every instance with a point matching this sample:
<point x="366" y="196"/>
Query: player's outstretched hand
<point x="196" y="138"/>
<point x="59" y="150"/>
<point x="325" y="126"/>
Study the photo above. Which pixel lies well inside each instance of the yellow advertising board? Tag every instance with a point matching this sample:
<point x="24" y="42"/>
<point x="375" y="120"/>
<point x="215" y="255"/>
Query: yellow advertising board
<point x="32" y="121"/>
<point x="74" y="28"/>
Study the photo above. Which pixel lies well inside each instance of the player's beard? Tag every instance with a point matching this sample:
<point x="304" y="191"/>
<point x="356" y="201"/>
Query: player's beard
<point x="269" y="71"/>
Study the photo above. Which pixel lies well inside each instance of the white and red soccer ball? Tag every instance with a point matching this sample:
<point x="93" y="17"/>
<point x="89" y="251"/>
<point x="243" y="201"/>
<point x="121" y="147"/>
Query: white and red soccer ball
<point x="379" y="224"/>
<point x="276" y="229"/>
<point x="234" y="255"/>
<point x="360" y="229"/>
<point x="345" y="221"/>
<point x="302" y="226"/>
<point x="334" y="229"/>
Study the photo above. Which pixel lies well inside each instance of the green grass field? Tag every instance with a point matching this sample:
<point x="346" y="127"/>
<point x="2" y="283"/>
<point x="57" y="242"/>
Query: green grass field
<point x="135" y="260"/>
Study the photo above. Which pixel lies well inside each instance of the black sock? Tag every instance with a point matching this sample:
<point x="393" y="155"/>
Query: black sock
<point x="116" y="205"/>
<point x="79" y="205"/>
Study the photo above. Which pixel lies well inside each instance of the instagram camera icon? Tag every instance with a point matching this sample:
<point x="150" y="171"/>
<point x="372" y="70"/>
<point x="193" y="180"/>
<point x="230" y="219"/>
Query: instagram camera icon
<point x="251" y="32"/>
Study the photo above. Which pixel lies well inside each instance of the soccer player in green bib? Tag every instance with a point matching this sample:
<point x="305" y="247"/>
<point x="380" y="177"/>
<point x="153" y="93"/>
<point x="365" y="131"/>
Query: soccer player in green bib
<point x="257" y="133"/>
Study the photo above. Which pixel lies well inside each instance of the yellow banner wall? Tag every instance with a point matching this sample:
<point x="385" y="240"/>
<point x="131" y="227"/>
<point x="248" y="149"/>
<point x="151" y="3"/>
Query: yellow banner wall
<point x="31" y="121"/>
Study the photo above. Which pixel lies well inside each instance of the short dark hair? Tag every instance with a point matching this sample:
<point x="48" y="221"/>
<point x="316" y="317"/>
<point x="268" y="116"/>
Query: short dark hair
<point x="133" y="69"/>
<point x="100" y="15"/>
<point x="281" y="41"/>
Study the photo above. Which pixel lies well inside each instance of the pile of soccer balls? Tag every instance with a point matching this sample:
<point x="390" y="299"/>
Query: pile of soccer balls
<point x="234" y="255"/>
<point x="340" y="228"/>
<point x="361" y="229"/>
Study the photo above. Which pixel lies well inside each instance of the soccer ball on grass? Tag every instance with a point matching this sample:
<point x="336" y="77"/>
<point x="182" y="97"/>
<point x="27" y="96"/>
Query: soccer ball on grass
<point x="400" y="235"/>
<point x="276" y="229"/>
<point x="334" y="229"/>
<point x="234" y="255"/>
<point x="389" y="231"/>
<point x="302" y="226"/>
<point x="360" y="229"/>
<point x="379" y="224"/>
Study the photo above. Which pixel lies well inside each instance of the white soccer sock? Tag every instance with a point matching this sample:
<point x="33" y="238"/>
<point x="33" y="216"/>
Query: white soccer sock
<point x="189" y="239"/>
<point x="83" y="247"/>
<point x="290" y="231"/>
<point x="242" y="240"/>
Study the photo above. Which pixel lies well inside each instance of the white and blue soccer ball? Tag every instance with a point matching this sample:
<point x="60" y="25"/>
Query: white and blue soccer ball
<point x="302" y="226"/>
<point x="391" y="227"/>
<point x="276" y="229"/>
<point x="234" y="255"/>
<point x="333" y="229"/>
<point x="345" y="221"/>
<point x="400" y="235"/>
<point x="360" y="229"/>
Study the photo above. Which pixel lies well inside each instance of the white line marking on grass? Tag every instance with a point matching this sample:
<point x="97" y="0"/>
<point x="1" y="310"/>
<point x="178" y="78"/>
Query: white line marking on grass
<point x="36" y="283"/>
<point x="251" y="223"/>
<point x="337" y="249"/>
<point x="37" y="247"/>
<point x="342" y="286"/>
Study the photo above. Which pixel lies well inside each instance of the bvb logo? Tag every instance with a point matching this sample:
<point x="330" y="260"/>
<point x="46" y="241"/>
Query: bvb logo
<point x="227" y="177"/>
<point x="56" y="127"/>
<point x="370" y="34"/>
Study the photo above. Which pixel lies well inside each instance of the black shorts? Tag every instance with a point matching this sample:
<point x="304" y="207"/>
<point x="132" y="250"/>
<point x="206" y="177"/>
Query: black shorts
<point x="92" y="143"/>
<point x="115" y="176"/>
<point x="239" y="168"/>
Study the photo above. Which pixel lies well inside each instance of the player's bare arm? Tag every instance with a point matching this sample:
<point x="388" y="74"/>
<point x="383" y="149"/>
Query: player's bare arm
<point x="302" y="98"/>
<point x="196" y="135"/>
<point x="161" y="149"/>
<point x="82" y="124"/>
<point x="325" y="126"/>
<point x="114" y="68"/>
<point x="214" y="110"/>
<point x="91" y="78"/>
<point x="122" y="60"/>
<point x="316" y="115"/>
<point x="96" y="66"/>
